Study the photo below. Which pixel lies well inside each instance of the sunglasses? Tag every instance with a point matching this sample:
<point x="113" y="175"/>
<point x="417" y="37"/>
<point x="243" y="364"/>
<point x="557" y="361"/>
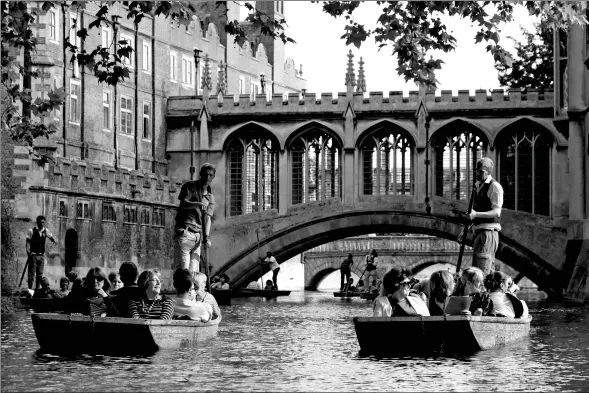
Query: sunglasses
<point x="98" y="278"/>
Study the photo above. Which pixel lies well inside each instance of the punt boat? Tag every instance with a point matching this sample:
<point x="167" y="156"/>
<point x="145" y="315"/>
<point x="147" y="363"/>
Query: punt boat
<point x="80" y="334"/>
<point x="45" y="305"/>
<point x="368" y="295"/>
<point x="223" y="297"/>
<point x="267" y="293"/>
<point x="449" y="333"/>
<point x="347" y="295"/>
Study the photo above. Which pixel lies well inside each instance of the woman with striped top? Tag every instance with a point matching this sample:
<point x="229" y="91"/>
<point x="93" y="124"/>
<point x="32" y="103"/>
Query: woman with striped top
<point x="151" y="305"/>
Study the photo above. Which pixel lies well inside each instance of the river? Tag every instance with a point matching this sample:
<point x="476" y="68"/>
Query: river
<point x="306" y="342"/>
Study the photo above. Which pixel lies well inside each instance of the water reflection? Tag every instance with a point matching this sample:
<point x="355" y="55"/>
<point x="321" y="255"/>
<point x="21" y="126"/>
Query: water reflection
<point x="307" y="342"/>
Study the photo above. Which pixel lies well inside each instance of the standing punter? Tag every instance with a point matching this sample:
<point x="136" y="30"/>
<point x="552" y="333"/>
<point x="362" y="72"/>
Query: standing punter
<point x="35" y="246"/>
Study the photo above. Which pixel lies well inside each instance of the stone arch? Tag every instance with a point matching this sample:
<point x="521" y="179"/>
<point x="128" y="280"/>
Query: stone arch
<point x="262" y="50"/>
<point x="291" y="240"/>
<point x="383" y="124"/>
<point x="441" y="128"/>
<point x="557" y="138"/>
<point x="252" y="126"/>
<point x="308" y="126"/>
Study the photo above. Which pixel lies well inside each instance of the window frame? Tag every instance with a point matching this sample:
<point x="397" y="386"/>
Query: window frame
<point x="129" y="63"/>
<point x="185" y="62"/>
<point x="56" y="111"/>
<point x="157" y="211"/>
<point x="108" y="31"/>
<point x="127" y="217"/>
<point x="88" y="204"/>
<point x="110" y="113"/>
<point x="55" y="37"/>
<point x="114" y="212"/>
<point x="77" y="41"/>
<point x="64" y="201"/>
<point x="146" y="51"/>
<point x="77" y="97"/>
<point x="174" y="67"/>
<point x="130" y="111"/>
<point x="148" y="118"/>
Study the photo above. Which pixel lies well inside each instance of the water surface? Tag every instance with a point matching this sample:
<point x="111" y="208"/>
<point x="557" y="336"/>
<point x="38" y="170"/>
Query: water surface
<point x="306" y="342"/>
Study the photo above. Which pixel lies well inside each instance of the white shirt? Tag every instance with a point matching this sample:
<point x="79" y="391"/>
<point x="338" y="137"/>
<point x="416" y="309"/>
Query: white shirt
<point x="495" y="194"/>
<point x="195" y="310"/>
<point x="254" y="285"/>
<point x="273" y="263"/>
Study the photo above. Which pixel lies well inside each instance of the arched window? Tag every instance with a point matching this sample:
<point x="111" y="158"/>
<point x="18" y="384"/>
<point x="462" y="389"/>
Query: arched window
<point x="456" y="154"/>
<point x="315" y="159"/>
<point x="386" y="164"/>
<point x="253" y="174"/>
<point x="524" y="170"/>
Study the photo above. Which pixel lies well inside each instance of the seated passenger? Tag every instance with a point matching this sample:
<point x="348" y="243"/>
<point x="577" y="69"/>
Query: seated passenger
<point x="471" y="284"/>
<point x="93" y="298"/>
<point x="269" y="285"/>
<point x="396" y="299"/>
<point x="129" y="291"/>
<point x="63" y="290"/>
<point x="360" y="286"/>
<point x="44" y="292"/>
<point x="223" y="284"/>
<point x="216" y="283"/>
<point x="185" y="304"/>
<point x="254" y="285"/>
<point x="115" y="281"/>
<point x="205" y="297"/>
<point x="504" y="303"/>
<point x="441" y="287"/>
<point x="151" y="305"/>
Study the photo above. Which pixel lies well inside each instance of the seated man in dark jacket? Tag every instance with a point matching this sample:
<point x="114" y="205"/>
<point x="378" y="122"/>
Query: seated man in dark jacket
<point x="128" y="273"/>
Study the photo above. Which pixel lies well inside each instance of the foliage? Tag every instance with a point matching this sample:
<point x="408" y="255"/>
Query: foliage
<point x="533" y="65"/>
<point x="414" y="29"/>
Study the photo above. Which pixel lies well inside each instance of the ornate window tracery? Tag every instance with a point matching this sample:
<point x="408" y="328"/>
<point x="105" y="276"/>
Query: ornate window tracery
<point x="456" y="155"/>
<point x="387" y="164"/>
<point x="524" y="170"/>
<point x="253" y="175"/>
<point x="315" y="164"/>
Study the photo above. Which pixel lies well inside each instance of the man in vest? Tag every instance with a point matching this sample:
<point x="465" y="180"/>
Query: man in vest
<point x="485" y="217"/>
<point x="35" y="246"/>
<point x="345" y="272"/>
<point x="193" y="219"/>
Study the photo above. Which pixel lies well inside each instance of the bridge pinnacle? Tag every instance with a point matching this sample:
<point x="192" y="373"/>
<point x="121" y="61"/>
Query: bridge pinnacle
<point x="206" y="77"/>
<point x="350" y="76"/>
<point x="361" y="85"/>
<point x="221" y="81"/>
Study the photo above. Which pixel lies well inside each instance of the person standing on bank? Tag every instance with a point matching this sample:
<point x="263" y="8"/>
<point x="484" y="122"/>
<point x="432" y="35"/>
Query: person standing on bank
<point x="193" y="219"/>
<point x="345" y="272"/>
<point x="485" y="217"/>
<point x="274" y="266"/>
<point x="35" y="246"/>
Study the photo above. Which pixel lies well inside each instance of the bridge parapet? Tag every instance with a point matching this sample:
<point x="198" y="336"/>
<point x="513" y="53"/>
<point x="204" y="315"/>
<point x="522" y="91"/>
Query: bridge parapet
<point x="243" y="105"/>
<point x="391" y="243"/>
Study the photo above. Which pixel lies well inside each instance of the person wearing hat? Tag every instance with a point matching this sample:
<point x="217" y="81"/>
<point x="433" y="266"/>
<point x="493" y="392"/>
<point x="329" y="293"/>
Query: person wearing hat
<point x="396" y="298"/>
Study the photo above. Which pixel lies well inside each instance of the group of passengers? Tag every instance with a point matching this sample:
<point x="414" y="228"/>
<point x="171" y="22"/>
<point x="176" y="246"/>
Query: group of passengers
<point x="494" y="295"/>
<point x="124" y="294"/>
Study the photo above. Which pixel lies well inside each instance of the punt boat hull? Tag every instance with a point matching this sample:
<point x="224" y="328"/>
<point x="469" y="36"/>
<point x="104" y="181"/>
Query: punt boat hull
<point x="448" y="333"/>
<point x="344" y="294"/>
<point x="223" y="297"/>
<point x="368" y="295"/>
<point x="61" y="333"/>
<point x="245" y="292"/>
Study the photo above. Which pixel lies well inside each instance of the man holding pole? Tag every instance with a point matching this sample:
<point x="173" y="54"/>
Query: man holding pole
<point x="193" y="219"/>
<point x="35" y="246"/>
<point x="485" y="217"/>
<point x="345" y="271"/>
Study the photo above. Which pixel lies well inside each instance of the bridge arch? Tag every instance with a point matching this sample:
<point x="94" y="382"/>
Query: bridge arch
<point x="385" y="124"/>
<point x="291" y="240"/>
<point x="525" y="122"/>
<point x="460" y="122"/>
<point x="310" y="126"/>
<point x="253" y="128"/>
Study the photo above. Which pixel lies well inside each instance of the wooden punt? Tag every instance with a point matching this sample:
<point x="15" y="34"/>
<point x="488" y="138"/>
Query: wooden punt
<point x="78" y="334"/>
<point x="223" y="297"/>
<point x="45" y="305"/>
<point x="245" y="292"/>
<point x="369" y="295"/>
<point x="416" y="334"/>
<point x="347" y="295"/>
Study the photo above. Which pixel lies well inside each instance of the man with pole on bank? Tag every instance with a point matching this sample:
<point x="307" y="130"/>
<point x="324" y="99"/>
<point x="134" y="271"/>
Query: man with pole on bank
<point x="485" y="217"/>
<point x="193" y="219"/>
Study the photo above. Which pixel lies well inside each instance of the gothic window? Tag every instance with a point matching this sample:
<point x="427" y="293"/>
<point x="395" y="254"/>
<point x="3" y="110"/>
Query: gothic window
<point x="108" y="212"/>
<point x="315" y="158"/>
<point x="524" y="170"/>
<point x="455" y="155"/>
<point x="130" y="214"/>
<point x="253" y="174"/>
<point x="83" y="210"/>
<point x="144" y="217"/>
<point x="63" y="208"/>
<point x="386" y="164"/>
<point x="158" y="217"/>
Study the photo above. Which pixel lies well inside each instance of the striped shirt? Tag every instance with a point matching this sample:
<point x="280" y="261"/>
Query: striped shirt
<point x="159" y="308"/>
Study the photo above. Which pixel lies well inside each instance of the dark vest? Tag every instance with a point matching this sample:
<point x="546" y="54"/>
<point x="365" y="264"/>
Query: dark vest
<point x="482" y="203"/>
<point x="38" y="241"/>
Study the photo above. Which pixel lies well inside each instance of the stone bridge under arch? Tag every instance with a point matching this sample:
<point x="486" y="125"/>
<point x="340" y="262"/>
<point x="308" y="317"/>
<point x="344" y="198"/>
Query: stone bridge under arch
<point x="528" y="243"/>
<point x="414" y="252"/>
